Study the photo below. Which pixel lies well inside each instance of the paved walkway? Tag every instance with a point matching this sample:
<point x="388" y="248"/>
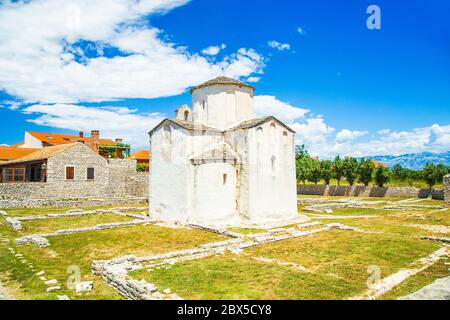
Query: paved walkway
<point x="438" y="290"/>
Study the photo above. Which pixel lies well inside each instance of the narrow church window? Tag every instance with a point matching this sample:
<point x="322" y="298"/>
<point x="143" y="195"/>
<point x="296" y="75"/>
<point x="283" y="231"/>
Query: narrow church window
<point x="225" y="178"/>
<point x="285" y="137"/>
<point x="273" y="164"/>
<point x="259" y="134"/>
<point x="186" y="115"/>
<point x="272" y="132"/>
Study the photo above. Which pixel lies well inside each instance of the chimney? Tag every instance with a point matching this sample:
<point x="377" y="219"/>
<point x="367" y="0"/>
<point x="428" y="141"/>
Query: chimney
<point x="95" y="140"/>
<point x="119" y="140"/>
<point x="81" y="134"/>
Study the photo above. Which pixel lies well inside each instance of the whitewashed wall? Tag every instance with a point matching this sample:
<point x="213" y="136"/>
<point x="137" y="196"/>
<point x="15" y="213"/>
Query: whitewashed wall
<point x="225" y="106"/>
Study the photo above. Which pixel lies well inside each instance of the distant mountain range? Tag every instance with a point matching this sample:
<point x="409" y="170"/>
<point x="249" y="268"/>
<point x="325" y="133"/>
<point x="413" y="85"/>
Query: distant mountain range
<point x="415" y="161"/>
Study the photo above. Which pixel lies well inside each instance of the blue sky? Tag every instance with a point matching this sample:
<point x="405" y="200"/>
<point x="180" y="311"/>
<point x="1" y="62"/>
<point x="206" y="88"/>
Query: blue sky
<point x="366" y="91"/>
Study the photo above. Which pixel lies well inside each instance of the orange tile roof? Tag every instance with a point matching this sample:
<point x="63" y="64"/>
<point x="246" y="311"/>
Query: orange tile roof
<point x="43" y="153"/>
<point x="58" y="138"/>
<point x="378" y="164"/>
<point x="141" y="155"/>
<point x="18" y="144"/>
<point x="12" y="153"/>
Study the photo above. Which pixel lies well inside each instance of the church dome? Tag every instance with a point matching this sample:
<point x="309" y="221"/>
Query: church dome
<point x="220" y="81"/>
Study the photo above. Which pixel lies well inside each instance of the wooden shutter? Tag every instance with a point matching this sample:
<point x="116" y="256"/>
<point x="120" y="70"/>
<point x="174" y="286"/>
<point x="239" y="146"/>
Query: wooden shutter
<point x="70" y="173"/>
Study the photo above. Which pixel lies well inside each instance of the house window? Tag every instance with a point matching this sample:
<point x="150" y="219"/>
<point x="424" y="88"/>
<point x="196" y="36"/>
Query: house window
<point x="225" y="178"/>
<point x="13" y="175"/>
<point x="70" y="173"/>
<point x="90" y="173"/>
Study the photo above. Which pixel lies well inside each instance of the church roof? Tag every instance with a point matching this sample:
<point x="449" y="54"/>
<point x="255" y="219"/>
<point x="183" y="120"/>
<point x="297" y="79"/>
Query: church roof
<point x="222" y="81"/>
<point x="188" y="125"/>
<point x="257" y="122"/>
<point x="222" y="151"/>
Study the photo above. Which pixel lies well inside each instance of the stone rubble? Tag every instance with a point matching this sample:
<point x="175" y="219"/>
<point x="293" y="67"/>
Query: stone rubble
<point x="438" y="290"/>
<point x="388" y="283"/>
<point x="54" y="288"/>
<point x="86" y="286"/>
<point x="14" y="223"/>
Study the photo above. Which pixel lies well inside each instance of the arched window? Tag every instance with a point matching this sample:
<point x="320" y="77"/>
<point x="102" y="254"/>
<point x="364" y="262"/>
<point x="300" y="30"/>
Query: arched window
<point x="285" y="137"/>
<point x="224" y="179"/>
<point x="186" y="115"/>
<point x="259" y="134"/>
<point x="273" y="132"/>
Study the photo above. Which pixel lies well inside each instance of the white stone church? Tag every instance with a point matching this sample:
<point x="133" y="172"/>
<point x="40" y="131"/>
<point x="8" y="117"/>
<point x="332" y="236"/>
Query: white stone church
<point x="218" y="165"/>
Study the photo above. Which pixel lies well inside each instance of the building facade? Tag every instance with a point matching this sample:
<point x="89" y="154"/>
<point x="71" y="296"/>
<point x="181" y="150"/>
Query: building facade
<point x="218" y="164"/>
<point x="70" y="171"/>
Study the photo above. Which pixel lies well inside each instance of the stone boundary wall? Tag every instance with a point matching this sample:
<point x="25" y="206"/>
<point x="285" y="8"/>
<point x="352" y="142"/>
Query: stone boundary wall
<point x="71" y="202"/>
<point x="447" y="189"/>
<point x="362" y="191"/>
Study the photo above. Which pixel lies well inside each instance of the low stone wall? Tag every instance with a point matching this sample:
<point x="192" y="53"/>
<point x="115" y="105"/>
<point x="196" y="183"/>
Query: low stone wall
<point x="362" y="191"/>
<point x="70" y="203"/>
<point x="447" y="189"/>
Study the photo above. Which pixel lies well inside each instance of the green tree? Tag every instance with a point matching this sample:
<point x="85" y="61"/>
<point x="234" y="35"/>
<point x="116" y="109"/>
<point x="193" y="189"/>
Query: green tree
<point x="302" y="163"/>
<point x="140" y="167"/>
<point x="381" y="176"/>
<point x="326" y="168"/>
<point x="430" y="174"/>
<point x="338" y="169"/>
<point x="350" y="166"/>
<point x="365" y="171"/>
<point x="315" y="173"/>
<point x="400" y="173"/>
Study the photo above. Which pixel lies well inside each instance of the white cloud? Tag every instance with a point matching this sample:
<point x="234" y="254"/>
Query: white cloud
<point x="113" y="122"/>
<point x="347" y="135"/>
<point x="278" y="45"/>
<point x="54" y="52"/>
<point x="213" y="50"/>
<point x="270" y="105"/>
<point x="300" y="30"/>
<point x="253" y="79"/>
<point x="313" y="131"/>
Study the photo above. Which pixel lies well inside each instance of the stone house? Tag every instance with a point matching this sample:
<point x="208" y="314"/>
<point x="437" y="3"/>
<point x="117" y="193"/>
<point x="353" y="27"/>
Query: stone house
<point x="217" y="164"/>
<point x="142" y="157"/>
<point x="71" y="170"/>
<point x="107" y="148"/>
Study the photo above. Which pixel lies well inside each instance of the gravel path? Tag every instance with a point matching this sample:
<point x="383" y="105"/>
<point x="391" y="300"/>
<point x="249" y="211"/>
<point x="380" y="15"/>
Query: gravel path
<point x="438" y="290"/>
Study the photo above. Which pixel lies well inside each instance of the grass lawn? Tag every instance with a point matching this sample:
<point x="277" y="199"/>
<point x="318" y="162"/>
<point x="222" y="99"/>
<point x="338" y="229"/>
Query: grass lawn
<point x="242" y="278"/>
<point x="338" y="259"/>
<point x="81" y="249"/>
<point x="20" y="212"/>
<point x="52" y="225"/>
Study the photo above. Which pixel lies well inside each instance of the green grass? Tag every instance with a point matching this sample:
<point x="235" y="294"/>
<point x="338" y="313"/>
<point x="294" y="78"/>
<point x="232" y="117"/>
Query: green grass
<point x="243" y="278"/>
<point x="418" y="281"/>
<point x="21" y="212"/>
<point x="347" y="255"/>
<point x="338" y="259"/>
<point x="52" y="225"/>
<point x="81" y="249"/>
